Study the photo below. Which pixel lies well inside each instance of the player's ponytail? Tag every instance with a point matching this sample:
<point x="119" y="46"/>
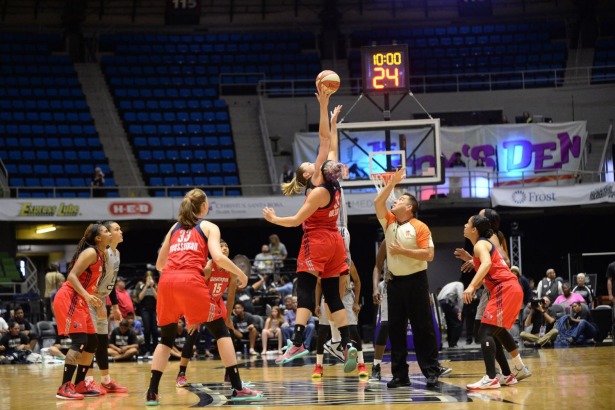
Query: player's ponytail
<point x="190" y="207"/>
<point x="88" y="239"/>
<point x="297" y="184"/>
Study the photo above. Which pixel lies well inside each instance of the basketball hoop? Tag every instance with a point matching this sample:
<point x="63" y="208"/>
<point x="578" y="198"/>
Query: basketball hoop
<point x="381" y="180"/>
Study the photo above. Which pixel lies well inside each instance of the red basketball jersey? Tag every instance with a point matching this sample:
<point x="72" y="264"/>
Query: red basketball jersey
<point x="218" y="282"/>
<point x="187" y="250"/>
<point x="89" y="277"/>
<point x="499" y="272"/>
<point x="325" y="217"/>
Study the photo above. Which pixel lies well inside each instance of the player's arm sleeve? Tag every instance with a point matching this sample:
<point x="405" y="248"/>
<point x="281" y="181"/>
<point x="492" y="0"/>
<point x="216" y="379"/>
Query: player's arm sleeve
<point x="113" y="297"/>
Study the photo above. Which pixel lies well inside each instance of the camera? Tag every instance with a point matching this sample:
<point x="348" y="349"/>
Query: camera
<point x="536" y="302"/>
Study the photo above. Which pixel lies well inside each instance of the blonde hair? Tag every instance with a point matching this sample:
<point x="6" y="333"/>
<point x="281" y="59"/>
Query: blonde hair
<point x="190" y="207"/>
<point x="297" y="184"/>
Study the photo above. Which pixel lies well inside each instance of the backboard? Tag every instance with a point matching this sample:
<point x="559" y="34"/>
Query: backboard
<point x="383" y="146"/>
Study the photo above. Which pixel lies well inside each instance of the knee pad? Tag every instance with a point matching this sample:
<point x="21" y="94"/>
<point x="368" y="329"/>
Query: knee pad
<point x="91" y="343"/>
<point x="167" y="334"/>
<point x="331" y="292"/>
<point x="218" y="329"/>
<point x="306" y="296"/>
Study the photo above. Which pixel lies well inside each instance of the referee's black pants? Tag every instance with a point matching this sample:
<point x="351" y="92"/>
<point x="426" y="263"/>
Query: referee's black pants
<point x="408" y="298"/>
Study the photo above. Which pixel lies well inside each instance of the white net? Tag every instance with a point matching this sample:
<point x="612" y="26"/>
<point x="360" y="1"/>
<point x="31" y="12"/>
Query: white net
<point x="381" y="180"/>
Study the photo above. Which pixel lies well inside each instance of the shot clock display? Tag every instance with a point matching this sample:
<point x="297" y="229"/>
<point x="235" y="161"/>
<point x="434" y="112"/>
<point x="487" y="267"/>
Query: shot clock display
<point x="385" y="68"/>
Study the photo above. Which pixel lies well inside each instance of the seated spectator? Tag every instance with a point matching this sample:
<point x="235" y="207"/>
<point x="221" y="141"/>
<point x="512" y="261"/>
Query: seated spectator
<point x="584" y="290"/>
<point x="567" y="298"/>
<point x="123" y="343"/>
<point x="273" y="328"/>
<point x="457" y="162"/>
<point x="285" y="289"/>
<point x="244" y="327"/>
<point x="290" y="316"/>
<point x="264" y="263"/>
<point x="180" y="340"/>
<point x="527" y="118"/>
<point x="4" y="327"/>
<point x="578" y="328"/>
<point x="60" y="347"/>
<point x="124" y="299"/>
<point x="541" y="318"/>
<point x="12" y="343"/>
<point x="136" y="326"/>
<point x="247" y="295"/>
<point x="480" y="162"/>
<point x="25" y="326"/>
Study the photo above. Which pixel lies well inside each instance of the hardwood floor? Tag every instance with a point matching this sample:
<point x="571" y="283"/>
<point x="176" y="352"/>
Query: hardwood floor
<point x="575" y="378"/>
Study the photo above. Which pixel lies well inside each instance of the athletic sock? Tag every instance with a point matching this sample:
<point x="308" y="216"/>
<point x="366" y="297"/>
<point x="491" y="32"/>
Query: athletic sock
<point x="154" y="380"/>
<point x="297" y="337"/>
<point x="182" y="369"/>
<point x="106" y="379"/>
<point x="518" y="362"/>
<point x="82" y="371"/>
<point x="377" y="361"/>
<point x="233" y="374"/>
<point x="320" y="358"/>
<point x="360" y="357"/>
<point x="69" y="371"/>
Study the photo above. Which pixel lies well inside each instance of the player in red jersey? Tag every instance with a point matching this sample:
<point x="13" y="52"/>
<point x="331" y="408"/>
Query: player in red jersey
<point x="506" y="297"/>
<point x="322" y="253"/>
<point x="73" y="313"/>
<point x="182" y="290"/>
<point x="218" y="280"/>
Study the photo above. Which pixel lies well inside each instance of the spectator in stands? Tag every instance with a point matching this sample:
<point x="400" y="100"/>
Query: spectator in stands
<point x="247" y="295"/>
<point x="583" y="327"/>
<point x="264" y="262"/>
<point x="25" y="326"/>
<point x="52" y="296"/>
<point x="541" y="317"/>
<point x="457" y="161"/>
<point x="285" y="289"/>
<point x="123" y="343"/>
<point x="124" y="300"/>
<point x="504" y="119"/>
<point x="61" y="346"/>
<point x="549" y="287"/>
<point x="584" y="290"/>
<point x="527" y="118"/>
<point x="278" y="250"/>
<point x="273" y="328"/>
<point x="98" y="181"/>
<point x="52" y="283"/>
<point x="147" y="295"/>
<point x="290" y="316"/>
<point x="244" y="327"/>
<point x="567" y="298"/>
<point x="13" y="341"/>
<point x="4" y="327"/>
<point x="181" y="337"/>
<point x="136" y="326"/>
<point x="287" y="174"/>
<point x="480" y="162"/>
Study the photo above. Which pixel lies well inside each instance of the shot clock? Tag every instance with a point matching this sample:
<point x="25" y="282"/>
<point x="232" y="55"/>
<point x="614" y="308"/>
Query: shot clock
<point x="385" y="68"/>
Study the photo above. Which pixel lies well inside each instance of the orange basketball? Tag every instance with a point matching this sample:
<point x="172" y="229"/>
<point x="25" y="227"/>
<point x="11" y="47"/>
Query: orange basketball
<point x="329" y="81"/>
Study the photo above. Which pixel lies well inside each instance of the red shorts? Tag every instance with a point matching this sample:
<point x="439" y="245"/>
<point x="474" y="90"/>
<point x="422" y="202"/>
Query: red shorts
<point x="184" y="294"/>
<point x="323" y="252"/>
<point x="220" y="310"/>
<point x="72" y="313"/>
<point x="504" y="304"/>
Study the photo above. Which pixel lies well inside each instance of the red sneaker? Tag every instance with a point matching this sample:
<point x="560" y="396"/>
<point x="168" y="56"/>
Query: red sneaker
<point x="318" y="372"/>
<point x="362" y="370"/>
<point x="67" y="392"/>
<point x="92" y="385"/>
<point x="87" y="390"/>
<point x="113" y="387"/>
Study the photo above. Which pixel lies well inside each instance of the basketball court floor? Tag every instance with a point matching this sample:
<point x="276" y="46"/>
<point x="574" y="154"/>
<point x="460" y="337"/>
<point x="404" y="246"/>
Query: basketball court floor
<point x="574" y="378"/>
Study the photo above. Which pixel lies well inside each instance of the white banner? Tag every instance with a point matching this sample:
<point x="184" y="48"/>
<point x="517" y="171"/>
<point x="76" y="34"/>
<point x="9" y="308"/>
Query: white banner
<point x="220" y="208"/>
<point x="513" y="149"/>
<point x="544" y="196"/>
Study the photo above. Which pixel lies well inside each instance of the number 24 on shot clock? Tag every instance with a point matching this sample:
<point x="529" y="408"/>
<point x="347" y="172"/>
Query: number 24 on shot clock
<point x="385" y="68"/>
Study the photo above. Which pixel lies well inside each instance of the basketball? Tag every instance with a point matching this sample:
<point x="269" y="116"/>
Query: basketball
<point x="329" y="81"/>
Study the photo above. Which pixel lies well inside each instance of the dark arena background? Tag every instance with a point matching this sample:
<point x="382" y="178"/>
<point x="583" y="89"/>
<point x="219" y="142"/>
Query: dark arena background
<point x="162" y="96"/>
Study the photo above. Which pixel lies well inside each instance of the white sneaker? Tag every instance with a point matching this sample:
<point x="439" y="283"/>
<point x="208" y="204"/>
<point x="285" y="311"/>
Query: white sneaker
<point x="506" y="380"/>
<point x="484" y="384"/>
<point x="335" y="349"/>
<point x="522" y="373"/>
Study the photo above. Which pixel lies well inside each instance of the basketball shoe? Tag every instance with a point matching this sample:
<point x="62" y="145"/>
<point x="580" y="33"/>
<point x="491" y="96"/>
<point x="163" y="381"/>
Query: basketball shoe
<point x="376" y="376"/>
<point x="522" y="373"/>
<point x="92" y="385"/>
<point x="318" y="372"/>
<point x="293" y="352"/>
<point x="88" y="389"/>
<point x="335" y="349"/>
<point x="246" y="394"/>
<point x="152" y="399"/>
<point x="484" y="384"/>
<point x="67" y="392"/>
<point x="181" y="380"/>
<point x="350" y="358"/>
<point x="362" y="370"/>
<point x="506" y="380"/>
<point x="113" y="387"/>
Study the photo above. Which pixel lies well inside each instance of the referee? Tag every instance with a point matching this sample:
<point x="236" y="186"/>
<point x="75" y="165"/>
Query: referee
<point x="409" y="248"/>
